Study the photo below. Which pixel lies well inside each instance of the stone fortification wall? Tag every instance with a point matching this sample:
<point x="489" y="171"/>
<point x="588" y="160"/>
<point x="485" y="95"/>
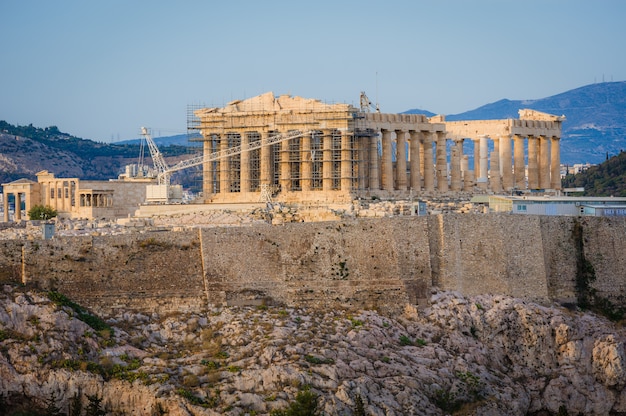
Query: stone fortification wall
<point x="139" y="271"/>
<point x="490" y="254"/>
<point x="381" y="263"/>
<point x="604" y="242"/>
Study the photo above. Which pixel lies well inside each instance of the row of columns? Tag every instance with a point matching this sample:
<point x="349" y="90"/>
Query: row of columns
<point x="305" y="160"/>
<point x="506" y="170"/>
<point x="17" y="205"/>
<point x="423" y="168"/>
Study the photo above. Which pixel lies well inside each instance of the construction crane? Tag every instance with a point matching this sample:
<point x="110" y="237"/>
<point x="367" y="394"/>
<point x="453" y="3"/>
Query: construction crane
<point x="163" y="177"/>
<point x="164" y="174"/>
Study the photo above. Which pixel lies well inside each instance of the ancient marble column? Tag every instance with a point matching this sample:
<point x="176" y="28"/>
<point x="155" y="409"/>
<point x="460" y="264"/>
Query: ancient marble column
<point x="533" y="173"/>
<point x="374" y="183"/>
<point x="387" y="164"/>
<point x="244" y="164"/>
<point x="468" y="175"/>
<point x="414" y="158"/>
<point x="429" y="174"/>
<point x="442" y="163"/>
<point x="476" y="142"/>
<point x="306" y="166"/>
<point x="346" y="162"/>
<point x="327" y="163"/>
<point x="494" y="179"/>
<point x="455" y="164"/>
<point x="555" y="163"/>
<point x="18" y="207"/>
<point x="544" y="162"/>
<point x="495" y="183"/>
<point x="224" y="166"/>
<point x="505" y="162"/>
<point x="401" y="160"/>
<point x="266" y="160"/>
<point x="482" y="173"/>
<point x="5" y="206"/>
<point x="285" y="168"/>
<point x="520" y="168"/>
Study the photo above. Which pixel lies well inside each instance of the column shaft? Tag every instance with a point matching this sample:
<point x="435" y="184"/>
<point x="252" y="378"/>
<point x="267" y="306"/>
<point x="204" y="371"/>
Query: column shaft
<point x="18" y="207"/>
<point x="306" y="163"/>
<point x="505" y="162"/>
<point x="387" y="162"/>
<point x="482" y="178"/>
<point x="346" y="163"/>
<point x="494" y="181"/>
<point x="244" y="165"/>
<point x="555" y="163"/>
<point x="455" y="159"/>
<point x="442" y="162"/>
<point x="224" y="166"/>
<point x="520" y="171"/>
<point x="544" y="162"/>
<point x="429" y="174"/>
<point x="5" y="206"/>
<point x="327" y="164"/>
<point x="414" y="157"/>
<point x="374" y="183"/>
<point x="285" y="171"/>
<point x="533" y="173"/>
<point x="401" y="160"/>
<point x="266" y="160"/>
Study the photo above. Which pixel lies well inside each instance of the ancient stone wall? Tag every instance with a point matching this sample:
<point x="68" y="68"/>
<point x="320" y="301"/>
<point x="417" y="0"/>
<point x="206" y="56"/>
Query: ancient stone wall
<point x="123" y="271"/>
<point x="369" y="263"/>
<point x="488" y="254"/>
<point x="377" y="264"/>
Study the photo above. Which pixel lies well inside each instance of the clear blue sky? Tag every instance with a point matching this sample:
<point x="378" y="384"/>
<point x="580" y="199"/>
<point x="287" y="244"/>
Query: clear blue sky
<point x="102" y="69"/>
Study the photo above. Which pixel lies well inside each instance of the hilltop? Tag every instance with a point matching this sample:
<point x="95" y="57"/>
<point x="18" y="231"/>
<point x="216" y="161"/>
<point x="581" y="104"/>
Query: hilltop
<point x="595" y="122"/>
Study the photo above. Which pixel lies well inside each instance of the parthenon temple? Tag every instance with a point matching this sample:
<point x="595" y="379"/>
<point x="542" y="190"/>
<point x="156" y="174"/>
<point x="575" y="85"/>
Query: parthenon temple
<point x="296" y="149"/>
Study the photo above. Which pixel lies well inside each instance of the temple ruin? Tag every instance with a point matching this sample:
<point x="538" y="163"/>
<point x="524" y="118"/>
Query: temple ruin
<point x="302" y="150"/>
<point x="299" y="150"/>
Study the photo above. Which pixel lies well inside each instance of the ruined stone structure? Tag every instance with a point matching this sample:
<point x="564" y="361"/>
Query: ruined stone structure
<point x="305" y="150"/>
<point x="382" y="264"/>
<point x="76" y="198"/>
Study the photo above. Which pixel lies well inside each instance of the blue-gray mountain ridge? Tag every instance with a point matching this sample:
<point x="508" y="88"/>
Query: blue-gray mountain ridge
<point x="595" y="124"/>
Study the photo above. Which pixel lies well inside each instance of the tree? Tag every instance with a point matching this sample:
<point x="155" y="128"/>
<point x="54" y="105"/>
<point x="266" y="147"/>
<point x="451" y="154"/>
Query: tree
<point x="76" y="405"/>
<point x="95" y="406"/>
<point x="51" y="406"/>
<point x="305" y="405"/>
<point x="359" y="406"/>
<point x="40" y="212"/>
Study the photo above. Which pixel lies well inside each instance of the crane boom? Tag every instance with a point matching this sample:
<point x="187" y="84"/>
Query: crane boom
<point x="231" y="151"/>
<point x="163" y="176"/>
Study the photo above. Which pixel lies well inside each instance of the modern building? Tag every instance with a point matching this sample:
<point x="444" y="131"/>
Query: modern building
<point x="549" y="205"/>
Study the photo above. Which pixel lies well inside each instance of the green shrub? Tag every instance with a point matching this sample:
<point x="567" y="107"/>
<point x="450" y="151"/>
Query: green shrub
<point x="41" y="212"/>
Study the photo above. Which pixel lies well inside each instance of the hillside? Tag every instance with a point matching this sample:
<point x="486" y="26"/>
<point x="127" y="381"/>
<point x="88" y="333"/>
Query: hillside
<point x="605" y="179"/>
<point x="461" y="355"/>
<point x="595" y="124"/>
<point x="26" y="150"/>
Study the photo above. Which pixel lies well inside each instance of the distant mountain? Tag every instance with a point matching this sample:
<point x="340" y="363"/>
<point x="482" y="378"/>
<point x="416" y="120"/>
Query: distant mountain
<point x="26" y="150"/>
<point x="595" y="119"/>
<point x="163" y="141"/>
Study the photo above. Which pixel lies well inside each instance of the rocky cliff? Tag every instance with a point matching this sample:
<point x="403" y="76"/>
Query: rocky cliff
<point x="479" y="355"/>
